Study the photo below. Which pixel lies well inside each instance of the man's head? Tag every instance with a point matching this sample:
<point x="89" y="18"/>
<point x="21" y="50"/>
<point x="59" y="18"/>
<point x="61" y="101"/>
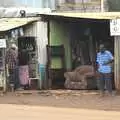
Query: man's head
<point x="14" y="47"/>
<point x="102" y="48"/>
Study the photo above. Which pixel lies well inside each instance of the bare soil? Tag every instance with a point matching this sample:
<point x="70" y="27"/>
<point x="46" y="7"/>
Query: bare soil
<point x="63" y="99"/>
<point x="27" y="112"/>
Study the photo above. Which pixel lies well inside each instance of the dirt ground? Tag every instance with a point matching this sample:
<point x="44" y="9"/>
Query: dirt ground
<point x="63" y="98"/>
<point x="27" y="112"/>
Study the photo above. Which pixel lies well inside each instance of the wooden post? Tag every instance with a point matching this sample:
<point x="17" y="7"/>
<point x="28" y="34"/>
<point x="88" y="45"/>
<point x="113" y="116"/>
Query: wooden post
<point x="117" y="62"/>
<point x="4" y="72"/>
<point x="102" y="5"/>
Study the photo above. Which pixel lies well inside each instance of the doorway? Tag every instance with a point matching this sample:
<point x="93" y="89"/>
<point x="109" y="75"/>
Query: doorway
<point x="28" y="66"/>
<point x="85" y="37"/>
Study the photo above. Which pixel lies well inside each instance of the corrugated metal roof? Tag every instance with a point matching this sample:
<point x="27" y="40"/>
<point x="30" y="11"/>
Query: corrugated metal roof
<point x="11" y="23"/>
<point x="101" y="15"/>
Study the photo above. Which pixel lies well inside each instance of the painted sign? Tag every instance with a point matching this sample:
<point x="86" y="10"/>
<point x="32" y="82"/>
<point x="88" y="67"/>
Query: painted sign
<point x="115" y="27"/>
<point x="2" y="43"/>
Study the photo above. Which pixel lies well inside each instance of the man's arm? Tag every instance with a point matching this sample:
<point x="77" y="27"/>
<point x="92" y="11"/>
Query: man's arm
<point x="111" y="58"/>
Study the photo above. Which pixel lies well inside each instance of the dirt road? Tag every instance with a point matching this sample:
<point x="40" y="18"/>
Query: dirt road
<point x="71" y="99"/>
<point x="15" y="112"/>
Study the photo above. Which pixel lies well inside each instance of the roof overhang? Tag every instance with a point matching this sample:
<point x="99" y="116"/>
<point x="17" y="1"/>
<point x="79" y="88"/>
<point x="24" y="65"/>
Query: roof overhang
<point x="99" y="16"/>
<point x="12" y="23"/>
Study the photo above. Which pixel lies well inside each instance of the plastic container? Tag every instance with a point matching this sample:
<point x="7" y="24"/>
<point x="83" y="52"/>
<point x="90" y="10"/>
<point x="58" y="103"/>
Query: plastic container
<point x="42" y="73"/>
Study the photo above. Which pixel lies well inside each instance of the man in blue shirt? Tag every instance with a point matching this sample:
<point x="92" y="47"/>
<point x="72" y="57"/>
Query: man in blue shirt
<point x="104" y="59"/>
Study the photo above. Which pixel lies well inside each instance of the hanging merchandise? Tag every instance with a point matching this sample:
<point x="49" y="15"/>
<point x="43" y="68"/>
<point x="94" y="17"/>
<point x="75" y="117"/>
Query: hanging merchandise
<point x="13" y="34"/>
<point x="16" y="33"/>
<point x="21" y="32"/>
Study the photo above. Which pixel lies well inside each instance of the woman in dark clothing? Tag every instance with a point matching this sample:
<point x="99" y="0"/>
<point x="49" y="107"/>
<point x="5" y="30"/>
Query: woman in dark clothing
<point x="24" y="69"/>
<point x="23" y="57"/>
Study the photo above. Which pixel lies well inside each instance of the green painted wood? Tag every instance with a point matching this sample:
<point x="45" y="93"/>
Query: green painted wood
<point x="59" y="35"/>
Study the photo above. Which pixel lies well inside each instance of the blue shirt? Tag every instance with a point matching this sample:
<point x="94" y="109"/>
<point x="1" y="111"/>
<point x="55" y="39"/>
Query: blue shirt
<point x="102" y="58"/>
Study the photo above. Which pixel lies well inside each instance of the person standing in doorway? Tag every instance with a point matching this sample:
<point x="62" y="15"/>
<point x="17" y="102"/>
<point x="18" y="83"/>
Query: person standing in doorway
<point x="24" y="69"/>
<point x="103" y="61"/>
<point x="11" y="63"/>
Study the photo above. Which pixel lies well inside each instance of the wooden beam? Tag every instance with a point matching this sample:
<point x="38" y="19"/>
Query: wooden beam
<point x="117" y="63"/>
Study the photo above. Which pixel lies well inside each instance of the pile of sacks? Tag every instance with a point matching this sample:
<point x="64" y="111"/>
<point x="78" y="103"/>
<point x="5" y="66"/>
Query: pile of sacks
<point x="78" y="79"/>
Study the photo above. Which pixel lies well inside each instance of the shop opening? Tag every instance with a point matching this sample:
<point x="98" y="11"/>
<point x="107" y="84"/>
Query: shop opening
<point x="85" y="36"/>
<point x="27" y="62"/>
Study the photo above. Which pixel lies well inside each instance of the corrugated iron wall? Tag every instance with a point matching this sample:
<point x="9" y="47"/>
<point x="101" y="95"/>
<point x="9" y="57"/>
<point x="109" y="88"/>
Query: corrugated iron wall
<point x="39" y="31"/>
<point x="42" y="41"/>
